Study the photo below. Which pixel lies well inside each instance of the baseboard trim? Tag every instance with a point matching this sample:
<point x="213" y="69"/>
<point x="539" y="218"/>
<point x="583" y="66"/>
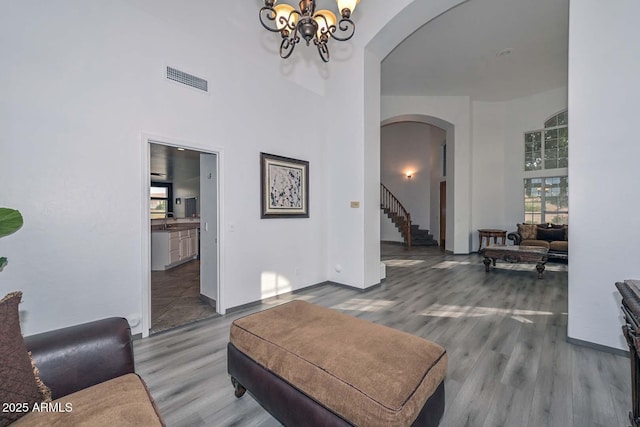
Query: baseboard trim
<point x="248" y="305"/>
<point x="209" y="301"/>
<point x="342" y="285"/>
<point x="242" y="307"/>
<point x="599" y="347"/>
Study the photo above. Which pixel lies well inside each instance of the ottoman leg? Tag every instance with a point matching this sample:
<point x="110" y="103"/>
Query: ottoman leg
<point x="240" y="391"/>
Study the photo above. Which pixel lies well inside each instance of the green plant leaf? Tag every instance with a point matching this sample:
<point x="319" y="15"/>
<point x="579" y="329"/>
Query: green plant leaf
<point x="3" y="262"/>
<point x="10" y="221"/>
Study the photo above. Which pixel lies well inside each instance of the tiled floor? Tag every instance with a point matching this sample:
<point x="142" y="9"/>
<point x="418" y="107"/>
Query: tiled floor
<point x="175" y="297"/>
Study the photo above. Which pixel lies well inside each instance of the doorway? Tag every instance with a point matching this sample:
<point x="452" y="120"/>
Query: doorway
<point x="183" y="235"/>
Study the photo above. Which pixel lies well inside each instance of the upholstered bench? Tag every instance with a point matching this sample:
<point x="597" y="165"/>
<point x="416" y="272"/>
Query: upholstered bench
<point x="309" y="365"/>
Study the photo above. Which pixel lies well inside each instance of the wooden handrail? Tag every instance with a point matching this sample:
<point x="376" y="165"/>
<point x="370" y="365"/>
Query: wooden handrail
<point x="401" y="215"/>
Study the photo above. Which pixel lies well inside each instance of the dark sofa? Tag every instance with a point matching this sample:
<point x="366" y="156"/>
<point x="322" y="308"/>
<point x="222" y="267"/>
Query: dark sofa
<point x="89" y="369"/>
<point x="554" y="237"/>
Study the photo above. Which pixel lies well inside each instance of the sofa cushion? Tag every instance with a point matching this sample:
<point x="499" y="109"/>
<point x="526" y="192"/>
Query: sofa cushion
<point x="20" y="384"/>
<point x="122" y="401"/>
<point x="528" y="231"/>
<point x="550" y="234"/>
<point x="369" y="374"/>
<point x="540" y="243"/>
<point x="559" y="246"/>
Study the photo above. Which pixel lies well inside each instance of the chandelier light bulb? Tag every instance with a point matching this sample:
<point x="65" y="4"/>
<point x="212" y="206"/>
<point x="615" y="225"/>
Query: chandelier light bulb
<point x="284" y="13"/>
<point x="325" y="20"/>
<point x="347" y="4"/>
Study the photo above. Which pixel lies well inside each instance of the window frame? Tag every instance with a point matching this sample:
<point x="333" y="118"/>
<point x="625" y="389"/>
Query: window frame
<point x="545" y="188"/>
<point x="544" y="171"/>
<point x="169" y="198"/>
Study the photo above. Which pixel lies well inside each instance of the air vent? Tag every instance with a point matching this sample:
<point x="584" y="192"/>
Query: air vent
<point x="187" y="79"/>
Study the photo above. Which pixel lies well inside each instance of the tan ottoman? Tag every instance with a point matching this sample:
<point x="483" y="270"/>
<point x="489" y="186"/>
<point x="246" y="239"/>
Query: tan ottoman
<point x="309" y="365"/>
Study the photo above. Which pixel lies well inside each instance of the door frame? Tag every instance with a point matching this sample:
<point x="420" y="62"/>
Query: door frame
<point x="443" y="218"/>
<point x="148" y="139"/>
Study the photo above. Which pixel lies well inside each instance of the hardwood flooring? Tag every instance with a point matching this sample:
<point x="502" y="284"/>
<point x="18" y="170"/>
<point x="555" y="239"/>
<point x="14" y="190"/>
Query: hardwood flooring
<point x="505" y="332"/>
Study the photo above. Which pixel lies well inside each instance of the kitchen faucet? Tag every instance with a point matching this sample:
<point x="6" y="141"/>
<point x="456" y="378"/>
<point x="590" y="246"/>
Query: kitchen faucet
<point x="164" y="221"/>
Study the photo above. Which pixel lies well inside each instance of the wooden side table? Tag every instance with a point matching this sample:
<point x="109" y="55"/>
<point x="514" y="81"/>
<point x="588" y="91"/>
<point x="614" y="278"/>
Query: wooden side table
<point x="488" y="233"/>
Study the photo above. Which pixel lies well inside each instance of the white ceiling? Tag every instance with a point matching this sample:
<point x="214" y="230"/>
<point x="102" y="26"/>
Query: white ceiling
<point x="458" y="53"/>
<point x="168" y="164"/>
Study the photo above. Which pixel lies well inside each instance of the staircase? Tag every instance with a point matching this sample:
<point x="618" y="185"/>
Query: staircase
<point x="412" y="234"/>
<point x="420" y="237"/>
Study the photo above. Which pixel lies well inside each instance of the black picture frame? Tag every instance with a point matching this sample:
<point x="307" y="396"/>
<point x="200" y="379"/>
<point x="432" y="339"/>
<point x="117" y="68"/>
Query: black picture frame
<point x="284" y="187"/>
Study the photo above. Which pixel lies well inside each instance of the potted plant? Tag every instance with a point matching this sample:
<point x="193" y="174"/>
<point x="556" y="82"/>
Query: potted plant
<point x="10" y="222"/>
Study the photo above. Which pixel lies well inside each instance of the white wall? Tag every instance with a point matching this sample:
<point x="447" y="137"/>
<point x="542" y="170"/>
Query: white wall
<point x="80" y="86"/>
<point x="604" y="65"/>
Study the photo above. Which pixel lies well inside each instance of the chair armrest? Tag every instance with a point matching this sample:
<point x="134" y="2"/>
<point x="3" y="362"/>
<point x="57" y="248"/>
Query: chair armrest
<point x="515" y="236"/>
<point x="77" y="357"/>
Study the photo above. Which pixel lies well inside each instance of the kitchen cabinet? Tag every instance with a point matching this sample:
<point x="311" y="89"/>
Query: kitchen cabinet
<point x="170" y="248"/>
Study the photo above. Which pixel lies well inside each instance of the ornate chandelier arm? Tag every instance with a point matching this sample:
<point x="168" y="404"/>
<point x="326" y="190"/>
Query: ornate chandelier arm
<point x="289" y="43"/>
<point x="274" y="22"/>
<point x="323" y="49"/>
<point x="345" y="26"/>
<point x="268" y="15"/>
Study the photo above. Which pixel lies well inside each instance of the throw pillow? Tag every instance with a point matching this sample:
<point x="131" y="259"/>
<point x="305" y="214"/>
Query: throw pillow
<point x="527" y="231"/>
<point x="550" y="234"/>
<point x="20" y="387"/>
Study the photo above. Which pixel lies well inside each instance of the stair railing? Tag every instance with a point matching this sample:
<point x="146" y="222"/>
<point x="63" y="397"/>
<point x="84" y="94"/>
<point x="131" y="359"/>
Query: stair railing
<point x="401" y="216"/>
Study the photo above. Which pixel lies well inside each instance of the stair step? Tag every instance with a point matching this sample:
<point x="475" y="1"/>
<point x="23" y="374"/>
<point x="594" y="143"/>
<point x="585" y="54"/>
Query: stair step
<point x="424" y="243"/>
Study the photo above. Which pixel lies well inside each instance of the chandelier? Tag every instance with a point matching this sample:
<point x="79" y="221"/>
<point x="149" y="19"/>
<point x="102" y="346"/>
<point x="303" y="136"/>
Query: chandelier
<point x="308" y="24"/>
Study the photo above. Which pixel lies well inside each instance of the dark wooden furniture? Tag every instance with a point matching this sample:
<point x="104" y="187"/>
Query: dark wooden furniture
<point x="630" y="291"/>
<point x="558" y="249"/>
<point x="516" y="254"/>
<point x="488" y="233"/>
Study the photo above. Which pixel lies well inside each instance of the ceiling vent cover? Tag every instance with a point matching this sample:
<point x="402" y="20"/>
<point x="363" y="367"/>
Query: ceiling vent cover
<point x="187" y="79"/>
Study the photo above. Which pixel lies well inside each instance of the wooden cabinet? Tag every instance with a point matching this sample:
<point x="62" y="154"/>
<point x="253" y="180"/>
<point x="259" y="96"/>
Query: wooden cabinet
<point x="173" y="247"/>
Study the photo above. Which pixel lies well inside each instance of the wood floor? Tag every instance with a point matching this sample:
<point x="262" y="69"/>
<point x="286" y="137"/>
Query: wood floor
<point x="505" y="332"/>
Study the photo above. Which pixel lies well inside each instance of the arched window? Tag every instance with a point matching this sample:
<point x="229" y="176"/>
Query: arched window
<point x="546" y="159"/>
<point x="548" y="148"/>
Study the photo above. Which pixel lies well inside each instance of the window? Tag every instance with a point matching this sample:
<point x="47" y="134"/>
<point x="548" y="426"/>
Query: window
<point x="548" y="148"/>
<point x="546" y="159"/>
<point x="160" y="199"/>
<point x="546" y="200"/>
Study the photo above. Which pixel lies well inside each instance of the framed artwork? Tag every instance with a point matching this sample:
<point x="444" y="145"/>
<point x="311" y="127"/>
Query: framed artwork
<point x="284" y="184"/>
